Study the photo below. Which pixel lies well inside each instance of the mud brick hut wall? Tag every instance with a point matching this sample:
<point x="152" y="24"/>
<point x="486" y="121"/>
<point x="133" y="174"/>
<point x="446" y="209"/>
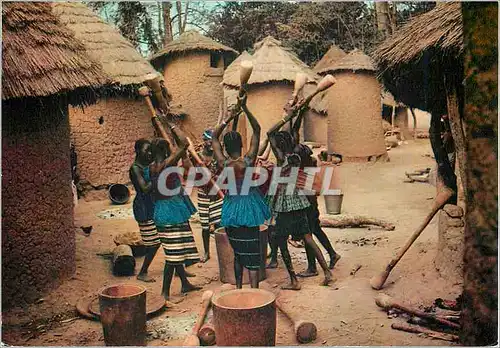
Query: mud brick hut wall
<point x="104" y="135"/>
<point x="315" y="127"/>
<point x="195" y="85"/>
<point x="266" y="103"/>
<point x="38" y="238"/>
<point x="354" y="116"/>
<point x="51" y="70"/>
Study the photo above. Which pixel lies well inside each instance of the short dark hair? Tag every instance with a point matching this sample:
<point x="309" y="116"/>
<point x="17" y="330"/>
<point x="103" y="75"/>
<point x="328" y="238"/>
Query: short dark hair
<point x="140" y="143"/>
<point x="232" y="142"/>
<point x="284" y="141"/>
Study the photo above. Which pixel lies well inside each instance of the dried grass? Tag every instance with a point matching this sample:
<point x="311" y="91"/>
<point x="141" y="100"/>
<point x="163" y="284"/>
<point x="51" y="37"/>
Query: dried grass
<point x="41" y="57"/>
<point x="439" y="28"/>
<point x="118" y="57"/>
<point x="356" y="60"/>
<point x="332" y="56"/>
<point x="416" y="60"/>
<point x="190" y="40"/>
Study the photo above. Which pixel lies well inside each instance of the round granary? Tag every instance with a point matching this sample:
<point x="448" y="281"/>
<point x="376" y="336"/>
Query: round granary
<point x="354" y="109"/>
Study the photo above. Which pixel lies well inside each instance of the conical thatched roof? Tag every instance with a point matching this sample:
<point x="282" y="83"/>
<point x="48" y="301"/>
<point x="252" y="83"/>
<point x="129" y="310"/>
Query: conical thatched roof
<point x="414" y="61"/>
<point x="190" y="40"/>
<point x="332" y="56"/>
<point x="119" y="59"/>
<point x="356" y="60"/>
<point x="273" y="63"/>
<point x="41" y="57"/>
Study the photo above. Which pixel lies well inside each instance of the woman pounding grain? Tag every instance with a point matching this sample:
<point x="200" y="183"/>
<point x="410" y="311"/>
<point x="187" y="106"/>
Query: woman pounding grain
<point x="242" y="214"/>
<point x="143" y="206"/>
<point x="291" y="208"/>
<point x="172" y="212"/>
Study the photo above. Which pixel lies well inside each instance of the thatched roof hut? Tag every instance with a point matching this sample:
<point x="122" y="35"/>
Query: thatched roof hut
<point x="41" y="57"/>
<point x="354" y="108"/>
<point x="121" y="117"/>
<point x="333" y="55"/>
<point x="272" y="63"/>
<point x="193" y="66"/>
<point x="415" y="60"/>
<point x="119" y="59"/>
<point x="271" y="84"/>
<point x="189" y="41"/>
<point x="44" y="68"/>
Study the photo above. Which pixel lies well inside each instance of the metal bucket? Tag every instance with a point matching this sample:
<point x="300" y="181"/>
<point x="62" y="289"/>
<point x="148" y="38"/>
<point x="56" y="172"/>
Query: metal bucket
<point x="118" y="193"/>
<point x="123" y="314"/>
<point x="245" y="317"/>
<point x="333" y="204"/>
<point x="225" y="255"/>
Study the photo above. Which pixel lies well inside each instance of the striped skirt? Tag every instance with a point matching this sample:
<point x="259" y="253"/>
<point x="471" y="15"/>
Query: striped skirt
<point x="246" y="245"/>
<point x="209" y="210"/>
<point x="149" y="234"/>
<point x="178" y="244"/>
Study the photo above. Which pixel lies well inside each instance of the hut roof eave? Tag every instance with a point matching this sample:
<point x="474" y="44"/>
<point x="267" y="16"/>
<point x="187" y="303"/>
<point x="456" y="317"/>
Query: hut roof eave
<point x="413" y="62"/>
<point x="190" y="41"/>
<point x="272" y="63"/>
<point x="41" y="57"/>
<point x="104" y="43"/>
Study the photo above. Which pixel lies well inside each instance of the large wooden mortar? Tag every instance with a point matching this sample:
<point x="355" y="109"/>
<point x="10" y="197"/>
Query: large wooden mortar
<point x="245" y="317"/>
<point x="225" y="255"/>
<point x="123" y="315"/>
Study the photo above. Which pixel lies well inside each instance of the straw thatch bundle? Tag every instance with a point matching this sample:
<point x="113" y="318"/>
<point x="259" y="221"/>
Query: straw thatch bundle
<point x="189" y="41"/>
<point x="119" y="59"/>
<point x="333" y="55"/>
<point x="41" y="57"/>
<point x="272" y="63"/>
<point x="415" y="60"/>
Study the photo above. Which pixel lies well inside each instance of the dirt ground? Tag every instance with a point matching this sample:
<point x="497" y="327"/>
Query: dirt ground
<point x="345" y="312"/>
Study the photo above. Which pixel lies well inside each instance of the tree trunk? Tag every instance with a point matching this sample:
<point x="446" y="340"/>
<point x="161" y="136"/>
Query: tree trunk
<point x="383" y="19"/>
<point x="179" y="16"/>
<point x="480" y="302"/>
<point x="167" y="25"/>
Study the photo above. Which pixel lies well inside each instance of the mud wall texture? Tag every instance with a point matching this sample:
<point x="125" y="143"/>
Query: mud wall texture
<point x="266" y="102"/>
<point x="449" y="257"/>
<point x="315" y="127"/>
<point x="196" y="86"/>
<point x="104" y="135"/>
<point x="38" y="241"/>
<point x="354" y="116"/>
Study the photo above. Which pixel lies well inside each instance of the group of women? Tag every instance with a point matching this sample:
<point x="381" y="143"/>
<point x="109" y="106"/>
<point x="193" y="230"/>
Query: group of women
<point x="164" y="220"/>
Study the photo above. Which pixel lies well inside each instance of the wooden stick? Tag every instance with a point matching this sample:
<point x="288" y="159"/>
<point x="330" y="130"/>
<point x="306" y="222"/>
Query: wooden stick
<point x="377" y="282"/>
<point x="387" y="302"/>
<point x="193" y="340"/>
<point x="305" y="331"/>
<point x="343" y="221"/>
<point x="430" y="333"/>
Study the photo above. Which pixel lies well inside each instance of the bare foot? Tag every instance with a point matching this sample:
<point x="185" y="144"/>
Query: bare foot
<point x="145" y="278"/>
<point x="272" y="264"/>
<point x="334" y="261"/>
<point x="190" y="287"/>
<point x="292" y="286"/>
<point x="205" y="257"/>
<point x="308" y="273"/>
<point x="328" y="279"/>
